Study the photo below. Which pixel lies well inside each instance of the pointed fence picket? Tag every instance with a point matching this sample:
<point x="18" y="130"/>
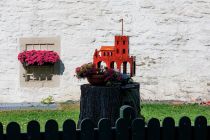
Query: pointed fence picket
<point x="126" y="128"/>
<point x="153" y="130"/>
<point x="69" y="130"/>
<point x="138" y="129"/>
<point x="122" y="131"/>
<point x="13" y="131"/>
<point x="104" y="129"/>
<point x="33" y="131"/>
<point x="1" y="132"/>
<point x="168" y="129"/>
<point x="185" y="129"/>
<point x="51" y="130"/>
<point x="87" y="130"/>
<point x="200" y="130"/>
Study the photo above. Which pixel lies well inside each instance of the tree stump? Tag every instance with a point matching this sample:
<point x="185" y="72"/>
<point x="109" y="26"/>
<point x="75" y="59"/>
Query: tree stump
<point x="98" y="102"/>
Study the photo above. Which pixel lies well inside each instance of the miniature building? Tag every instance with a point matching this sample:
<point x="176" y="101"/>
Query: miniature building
<point x="119" y="54"/>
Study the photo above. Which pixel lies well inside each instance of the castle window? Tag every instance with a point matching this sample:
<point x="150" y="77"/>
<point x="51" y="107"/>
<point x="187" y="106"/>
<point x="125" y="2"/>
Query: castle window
<point x="111" y="53"/>
<point x="104" y="54"/>
<point x="123" y="42"/>
<point x="123" y="51"/>
<point x="117" y="50"/>
<point x="117" y="42"/>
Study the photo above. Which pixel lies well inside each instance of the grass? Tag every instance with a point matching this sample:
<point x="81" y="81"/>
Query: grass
<point x="161" y="111"/>
<point x="71" y="111"/>
<point x="24" y="116"/>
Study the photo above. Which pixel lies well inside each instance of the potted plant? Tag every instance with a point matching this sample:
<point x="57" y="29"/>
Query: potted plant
<point x="100" y="76"/>
<point x="94" y="76"/>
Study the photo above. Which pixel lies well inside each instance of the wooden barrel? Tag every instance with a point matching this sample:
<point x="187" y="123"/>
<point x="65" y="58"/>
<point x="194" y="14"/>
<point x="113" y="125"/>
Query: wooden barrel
<point x="98" y="102"/>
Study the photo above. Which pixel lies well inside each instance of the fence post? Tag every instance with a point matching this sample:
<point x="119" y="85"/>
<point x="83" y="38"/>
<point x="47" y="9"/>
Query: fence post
<point x="122" y="131"/>
<point x="185" y="129"/>
<point x="168" y="129"/>
<point x="33" y="130"/>
<point x="138" y="129"/>
<point x="87" y="130"/>
<point x="51" y="130"/>
<point x="200" y="129"/>
<point x="104" y="129"/>
<point x="13" y="131"/>
<point x="128" y="113"/>
<point x="153" y="129"/>
<point x="69" y="130"/>
<point x="1" y="132"/>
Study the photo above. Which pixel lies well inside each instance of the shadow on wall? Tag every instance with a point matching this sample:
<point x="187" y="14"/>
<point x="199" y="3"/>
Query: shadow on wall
<point x="45" y="72"/>
<point x="59" y="68"/>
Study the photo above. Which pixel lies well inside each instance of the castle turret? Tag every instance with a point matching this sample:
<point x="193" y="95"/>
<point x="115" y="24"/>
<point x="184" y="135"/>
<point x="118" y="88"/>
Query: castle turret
<point x="122" y="46"/>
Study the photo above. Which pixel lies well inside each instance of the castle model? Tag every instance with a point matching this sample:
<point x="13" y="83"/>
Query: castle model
<point x="117" y="54"/>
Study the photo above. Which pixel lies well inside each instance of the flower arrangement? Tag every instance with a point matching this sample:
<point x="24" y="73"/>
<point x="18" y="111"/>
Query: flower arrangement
<point x="108" y="76"/>
<point x="112" y="76"/>
<point x="86" y="70"/>
<point x="38" y="57"/>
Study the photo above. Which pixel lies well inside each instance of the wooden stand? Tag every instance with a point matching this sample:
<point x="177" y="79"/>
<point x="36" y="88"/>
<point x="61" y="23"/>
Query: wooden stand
<point x="98" y="102"/>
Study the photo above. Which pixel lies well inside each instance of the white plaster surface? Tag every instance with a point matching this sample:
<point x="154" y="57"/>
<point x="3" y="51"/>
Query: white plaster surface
<point x="170" y="38"/>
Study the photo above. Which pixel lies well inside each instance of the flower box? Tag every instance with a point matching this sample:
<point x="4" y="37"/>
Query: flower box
<point x="38" y="57"/>
<point x="38" y="64"/>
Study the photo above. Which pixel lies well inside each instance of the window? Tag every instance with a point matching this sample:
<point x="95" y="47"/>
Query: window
<point x="117" y="42"/>
<point x="40" y="76"/>
<point x="123" y="51"/>
<point x="123" y="42"/>
<point x="104" y="54"/>
<point x="117" y="50"/>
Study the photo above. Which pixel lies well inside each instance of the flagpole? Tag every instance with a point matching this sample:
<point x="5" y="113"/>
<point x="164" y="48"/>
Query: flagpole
<point x="122" y="26"/>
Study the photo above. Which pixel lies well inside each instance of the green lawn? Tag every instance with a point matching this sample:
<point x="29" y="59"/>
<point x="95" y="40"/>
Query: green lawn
<point x="24" y="116"/>
<point x="161" y="111"/>
<point x="71" y="111"/>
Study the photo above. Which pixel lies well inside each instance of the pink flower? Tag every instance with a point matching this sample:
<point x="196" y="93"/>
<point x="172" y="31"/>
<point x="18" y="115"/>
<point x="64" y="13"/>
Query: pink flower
<point x="38" y="57"/>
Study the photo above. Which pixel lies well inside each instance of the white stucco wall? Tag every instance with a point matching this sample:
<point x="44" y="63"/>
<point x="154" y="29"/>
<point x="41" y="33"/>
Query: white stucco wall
<point x="170" y="38"/>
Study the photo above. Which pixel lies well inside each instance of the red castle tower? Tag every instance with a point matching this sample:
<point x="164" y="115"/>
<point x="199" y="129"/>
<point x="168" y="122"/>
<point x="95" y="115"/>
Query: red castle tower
<point x="117" y="54"/>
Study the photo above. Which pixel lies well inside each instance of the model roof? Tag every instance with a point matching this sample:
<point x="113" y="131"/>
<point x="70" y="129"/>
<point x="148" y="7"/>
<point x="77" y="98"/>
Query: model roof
<point x="107" y="48"/>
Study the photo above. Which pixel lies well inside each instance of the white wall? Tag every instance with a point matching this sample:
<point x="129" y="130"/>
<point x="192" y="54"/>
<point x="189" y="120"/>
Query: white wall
<point x="170" y="38"/>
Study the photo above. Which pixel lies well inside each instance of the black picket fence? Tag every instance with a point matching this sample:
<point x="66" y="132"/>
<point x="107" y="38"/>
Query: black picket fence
<point x="127" y="128"/>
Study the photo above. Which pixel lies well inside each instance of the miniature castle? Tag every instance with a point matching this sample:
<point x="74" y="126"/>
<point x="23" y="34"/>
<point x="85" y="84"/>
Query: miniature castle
<point x="119" y="54"/>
